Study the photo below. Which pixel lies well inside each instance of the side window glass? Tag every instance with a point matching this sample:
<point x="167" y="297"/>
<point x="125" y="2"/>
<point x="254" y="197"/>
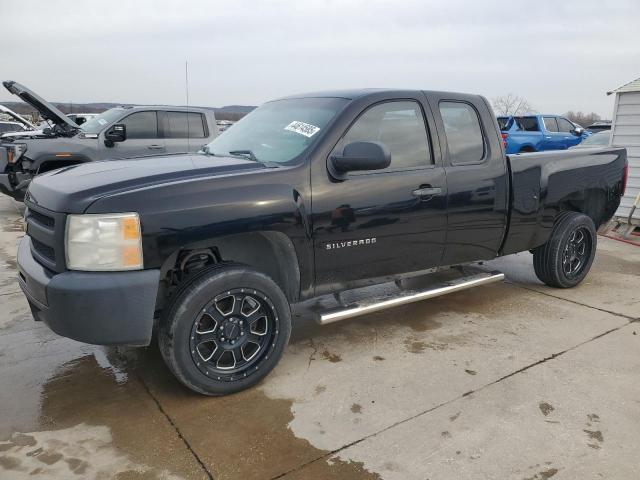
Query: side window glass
<point x="142" y="125"/>
<point x="463" y="132"/>
<point x="183" y="125"/>
<point x="565" y="125"/>
<point x="400" y="126"/>
<point x="550" y="124"/>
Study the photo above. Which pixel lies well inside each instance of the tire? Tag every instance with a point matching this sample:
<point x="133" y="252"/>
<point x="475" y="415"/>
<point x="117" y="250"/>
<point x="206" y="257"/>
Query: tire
<point x="565" y="260"/>
<point x="225" y="330"/>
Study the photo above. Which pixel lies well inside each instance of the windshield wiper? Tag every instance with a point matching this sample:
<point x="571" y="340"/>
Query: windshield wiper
<point x="244" y="153"/>
<point x="249" y="155"/>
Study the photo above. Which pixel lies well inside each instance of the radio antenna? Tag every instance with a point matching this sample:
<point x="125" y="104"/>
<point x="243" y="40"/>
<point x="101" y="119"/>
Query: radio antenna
<point x="186" y="84"/>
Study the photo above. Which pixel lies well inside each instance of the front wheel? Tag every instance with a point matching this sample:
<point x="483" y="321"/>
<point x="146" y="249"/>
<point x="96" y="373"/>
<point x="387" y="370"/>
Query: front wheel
<point x="225" y="330"/>
<point x="565" y="260"/>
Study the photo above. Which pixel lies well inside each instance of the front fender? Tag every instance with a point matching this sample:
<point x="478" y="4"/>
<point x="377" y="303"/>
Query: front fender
<point x="196" y="214"/>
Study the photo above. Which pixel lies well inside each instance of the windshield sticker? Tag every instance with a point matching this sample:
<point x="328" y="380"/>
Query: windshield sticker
<point x="302" y="128"/>
<point x="102" y="121"/>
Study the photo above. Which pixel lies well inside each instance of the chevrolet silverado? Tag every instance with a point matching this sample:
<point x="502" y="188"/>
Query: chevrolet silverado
<point x="305" y="196"/>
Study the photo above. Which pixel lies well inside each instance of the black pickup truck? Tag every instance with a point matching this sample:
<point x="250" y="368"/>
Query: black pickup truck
<point x="307" y="195"/>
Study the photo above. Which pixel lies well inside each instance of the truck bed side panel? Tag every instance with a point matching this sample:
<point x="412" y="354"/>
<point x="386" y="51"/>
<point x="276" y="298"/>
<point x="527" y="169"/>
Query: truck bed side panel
<point x="543" y="184"/>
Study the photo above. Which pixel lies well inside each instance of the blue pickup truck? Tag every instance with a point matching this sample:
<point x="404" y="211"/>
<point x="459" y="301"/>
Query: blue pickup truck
<point x="536" y="133"/>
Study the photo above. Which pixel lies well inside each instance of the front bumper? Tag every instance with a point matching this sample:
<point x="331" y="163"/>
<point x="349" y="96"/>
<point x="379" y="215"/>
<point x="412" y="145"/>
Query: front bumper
<point x="102" y="308"/>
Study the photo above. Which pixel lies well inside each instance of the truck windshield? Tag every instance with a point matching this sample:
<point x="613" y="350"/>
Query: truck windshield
<point x="278" y="131"/>
<point x="97" y="123"/>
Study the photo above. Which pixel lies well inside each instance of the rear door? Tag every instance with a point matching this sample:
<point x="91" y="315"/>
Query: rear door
<point x="143" y="138"/>
<point x="376" y="223"/>
<point x="477" y="178"/>
<point x="184" y="131"/>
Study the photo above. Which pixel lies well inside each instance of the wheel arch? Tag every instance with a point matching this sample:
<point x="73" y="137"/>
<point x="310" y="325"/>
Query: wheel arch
<point x="592" y="202"/>
<point x="269" y="252"/>
<point x="48" y="163"/>
<point x="527" y="148"/>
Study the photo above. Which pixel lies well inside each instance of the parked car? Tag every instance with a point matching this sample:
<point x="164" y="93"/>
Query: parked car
<point x="80" y="118"/>
<point x="536" y="133"/>
<point x="122" y="132"/>
<point x="600" y="139"/>
<point x="9" y="116"/>
<point x="599" y="126"/>
<point x="9" y="127"/>
<point x="307" y="195"/>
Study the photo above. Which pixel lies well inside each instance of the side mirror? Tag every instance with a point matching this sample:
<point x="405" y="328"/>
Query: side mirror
<point x="117" y="133"/>
<point x="578" y="131"/>
<point x="362" y="156"/>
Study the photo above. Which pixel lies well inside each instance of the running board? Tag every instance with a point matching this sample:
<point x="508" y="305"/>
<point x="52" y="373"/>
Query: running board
<point x="402" y="298"/>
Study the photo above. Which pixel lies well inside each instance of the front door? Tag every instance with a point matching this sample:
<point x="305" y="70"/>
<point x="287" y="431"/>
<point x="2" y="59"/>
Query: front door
<point x="566" y="128"/>
<point x="380" y="223"/>
<point x="553" y="138"/>
<point x="143" y="138"/>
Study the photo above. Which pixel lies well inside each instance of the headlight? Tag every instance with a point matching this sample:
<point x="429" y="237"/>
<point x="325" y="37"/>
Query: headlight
<point x="15" y="151"/>
<point x="103" y="242"/>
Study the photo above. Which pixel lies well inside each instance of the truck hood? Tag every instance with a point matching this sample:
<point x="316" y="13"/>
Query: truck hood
<point x="73" y="189"/>
<point x="48" y="111"/>
<point x="17" y="118"/>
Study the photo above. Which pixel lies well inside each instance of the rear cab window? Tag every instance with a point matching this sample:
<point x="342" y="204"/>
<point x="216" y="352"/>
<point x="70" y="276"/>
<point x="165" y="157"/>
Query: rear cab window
<point x="505" y="123"/>
<point x="463" y="132"/>
<point x="399" y="125"/>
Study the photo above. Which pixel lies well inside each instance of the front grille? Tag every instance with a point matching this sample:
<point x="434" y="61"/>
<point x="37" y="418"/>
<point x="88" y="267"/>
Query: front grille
<point x="43" y="249"/>
<point x="42" y="219"/>
<point x="46" y="231"/>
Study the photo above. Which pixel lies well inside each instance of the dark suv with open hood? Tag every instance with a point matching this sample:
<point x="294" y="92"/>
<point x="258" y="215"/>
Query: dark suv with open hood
<point x="121" y="132"/>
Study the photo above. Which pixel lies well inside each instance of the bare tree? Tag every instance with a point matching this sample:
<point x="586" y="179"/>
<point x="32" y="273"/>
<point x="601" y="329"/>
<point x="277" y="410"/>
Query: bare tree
<point x="511" y="104"/>
<point x="581" y="118"/>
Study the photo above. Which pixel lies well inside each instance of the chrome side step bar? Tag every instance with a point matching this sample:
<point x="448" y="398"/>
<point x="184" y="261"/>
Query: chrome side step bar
<point x="405" y="297"/>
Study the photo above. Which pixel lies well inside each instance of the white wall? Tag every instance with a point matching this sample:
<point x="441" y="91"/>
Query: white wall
<point x="626" y="133"/>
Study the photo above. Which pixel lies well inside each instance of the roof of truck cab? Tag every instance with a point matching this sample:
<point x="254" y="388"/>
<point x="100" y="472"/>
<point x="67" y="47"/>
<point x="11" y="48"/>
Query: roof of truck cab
<point x="353" y="94"/>
<point x="162" y="107"/>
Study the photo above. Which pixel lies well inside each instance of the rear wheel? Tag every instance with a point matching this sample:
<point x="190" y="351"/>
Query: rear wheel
<point x="225" y="330"/>
<point x="565" y="260"/>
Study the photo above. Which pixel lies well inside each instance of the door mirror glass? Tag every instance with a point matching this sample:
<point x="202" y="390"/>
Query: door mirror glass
<point x="117" y="133"/>
<point x="358" y="156"/>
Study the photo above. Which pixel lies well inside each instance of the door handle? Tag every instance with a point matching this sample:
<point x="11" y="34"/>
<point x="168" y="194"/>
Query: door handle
<point x="427" y="192"/>
<point x="155" y="147"/>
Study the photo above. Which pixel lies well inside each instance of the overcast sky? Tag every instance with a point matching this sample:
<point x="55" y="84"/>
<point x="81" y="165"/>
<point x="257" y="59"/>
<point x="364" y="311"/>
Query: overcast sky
<point x="561" y="55"/>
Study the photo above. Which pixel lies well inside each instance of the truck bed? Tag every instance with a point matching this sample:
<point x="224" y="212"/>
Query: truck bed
<point x="543" y="183"/>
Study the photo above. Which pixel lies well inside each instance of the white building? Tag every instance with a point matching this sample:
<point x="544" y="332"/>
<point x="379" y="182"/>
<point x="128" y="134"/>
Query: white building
<point x="626" y="133"/>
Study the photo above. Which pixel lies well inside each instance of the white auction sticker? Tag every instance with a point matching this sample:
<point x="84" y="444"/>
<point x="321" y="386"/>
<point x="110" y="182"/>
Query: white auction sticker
<point x="102" y="121"/>
<point x="302" y="128"/>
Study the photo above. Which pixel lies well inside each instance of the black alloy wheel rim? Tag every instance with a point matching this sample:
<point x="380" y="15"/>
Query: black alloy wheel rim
<point x="576" y="252"/>
<point x="233" y="334"/>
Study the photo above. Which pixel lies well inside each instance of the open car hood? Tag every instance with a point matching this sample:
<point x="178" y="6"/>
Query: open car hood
<point x="18" y="118"/>
<point x="48" y="111"/>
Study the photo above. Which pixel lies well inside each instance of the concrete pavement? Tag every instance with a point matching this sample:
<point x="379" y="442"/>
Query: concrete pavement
<point x="512" y="380"/>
